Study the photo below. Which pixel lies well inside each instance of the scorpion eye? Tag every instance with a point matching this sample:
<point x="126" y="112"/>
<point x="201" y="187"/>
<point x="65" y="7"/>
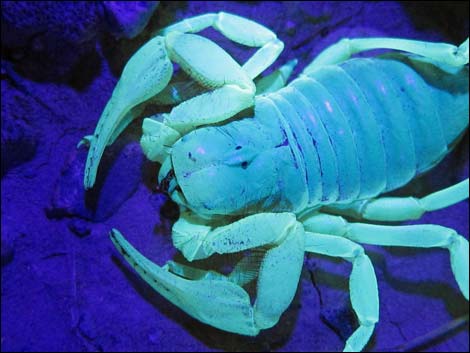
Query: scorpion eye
<point x="244" y="164"/>
<point x="238" y="147"/>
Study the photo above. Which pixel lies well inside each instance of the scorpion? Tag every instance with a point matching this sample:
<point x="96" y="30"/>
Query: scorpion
<point x="281" y="169"/>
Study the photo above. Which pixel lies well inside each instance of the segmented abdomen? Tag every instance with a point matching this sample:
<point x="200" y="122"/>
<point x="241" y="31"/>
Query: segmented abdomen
<point x="368" y="126"/>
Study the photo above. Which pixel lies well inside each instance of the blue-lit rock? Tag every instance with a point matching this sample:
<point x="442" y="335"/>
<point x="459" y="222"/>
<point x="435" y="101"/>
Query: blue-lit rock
<point x="47" y="40"/>
<point x="126" y="19"/>
<point x="96" y="205"/>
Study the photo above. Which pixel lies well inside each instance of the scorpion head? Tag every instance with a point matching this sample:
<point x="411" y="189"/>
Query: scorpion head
<point x="232" y="169"/>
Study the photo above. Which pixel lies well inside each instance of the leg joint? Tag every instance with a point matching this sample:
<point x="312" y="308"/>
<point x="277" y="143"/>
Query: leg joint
<point x="370" y="321"/>
<point x="454" y="239"/>
<point x="291" y="227"/>
<point x="357" y="252"/>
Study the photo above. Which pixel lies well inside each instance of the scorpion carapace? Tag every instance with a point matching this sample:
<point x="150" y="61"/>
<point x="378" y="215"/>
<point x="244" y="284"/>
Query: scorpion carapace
<point x="278" y="179"/>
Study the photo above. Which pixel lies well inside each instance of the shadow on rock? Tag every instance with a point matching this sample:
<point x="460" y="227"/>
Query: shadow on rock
<point x="117" y="179"/>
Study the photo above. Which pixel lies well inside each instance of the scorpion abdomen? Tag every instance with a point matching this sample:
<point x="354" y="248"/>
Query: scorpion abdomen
<point x="368" y="126"/>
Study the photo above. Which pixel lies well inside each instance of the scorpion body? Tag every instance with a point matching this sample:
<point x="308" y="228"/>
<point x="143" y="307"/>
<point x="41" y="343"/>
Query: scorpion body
<point x="372" y="124"/>
<point x="353" y="131"/>
<point x="272" y="168"/>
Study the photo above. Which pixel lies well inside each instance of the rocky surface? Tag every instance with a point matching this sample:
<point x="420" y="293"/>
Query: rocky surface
<point x="64" y="286"/>
<point x="19" y="140"/>
<point x="46" y="40"/>
<point x="126" y="19"/>
<point x="71" y="200"/>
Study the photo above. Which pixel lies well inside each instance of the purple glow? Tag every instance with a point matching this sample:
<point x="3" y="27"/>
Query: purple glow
<point x="410" y="80"/>
<point x="353" y="97"/>
<point x="382" y="89"/>
<point x="328" y="106"/>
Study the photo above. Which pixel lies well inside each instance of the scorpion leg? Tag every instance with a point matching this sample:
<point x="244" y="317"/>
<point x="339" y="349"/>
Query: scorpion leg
<point x="362" y="283"/>
<point x="239" y="30"/>
<point x="213" y="68"/>
<point x="402" y="208"/>
<point x="419" y="236"/>
<point x="178" y="92"/>
<point x="215" y="300"/>
<point x="275" y="80"/>
<point x="198" y="239"/>
<point x="442" y="53"/>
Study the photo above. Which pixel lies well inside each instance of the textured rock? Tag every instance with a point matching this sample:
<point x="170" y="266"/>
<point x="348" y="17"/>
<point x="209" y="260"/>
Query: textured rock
<point x="79" y="227"/>
<point x="71" y="200"/>
<point x="18" y="143"/>
<point x="7" y="249"/>
<point x="19" y="139"/>
<point x="126" y="19"/>
<point x="46" y="39"/>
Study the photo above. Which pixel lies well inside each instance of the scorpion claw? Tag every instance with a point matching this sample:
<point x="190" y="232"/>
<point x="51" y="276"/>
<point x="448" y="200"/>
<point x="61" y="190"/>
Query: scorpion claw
<point x="147" y="73"/>
<point x="219" y="303"/>
<point x="85" y="141"/>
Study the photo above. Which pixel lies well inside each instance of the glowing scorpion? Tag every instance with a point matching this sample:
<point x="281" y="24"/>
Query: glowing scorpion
<point x="272" y="168"/>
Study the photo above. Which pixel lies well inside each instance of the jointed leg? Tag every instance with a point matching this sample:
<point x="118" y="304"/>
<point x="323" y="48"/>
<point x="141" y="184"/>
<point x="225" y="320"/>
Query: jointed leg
<point x="275" y="80"/>
<point x="362" y="283"/>
<point x="158" y="136"/>
<point x="420" y="236"/>
<point x="403" y="208"/>
<point x="439" y="52"/>
<point x="212" y="67"/>
<point x="239" y="30"/>
<point x="180" y="91"/>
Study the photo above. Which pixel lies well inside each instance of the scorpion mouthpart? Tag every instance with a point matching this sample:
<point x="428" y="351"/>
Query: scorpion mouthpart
<point x="168" y="183"/>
